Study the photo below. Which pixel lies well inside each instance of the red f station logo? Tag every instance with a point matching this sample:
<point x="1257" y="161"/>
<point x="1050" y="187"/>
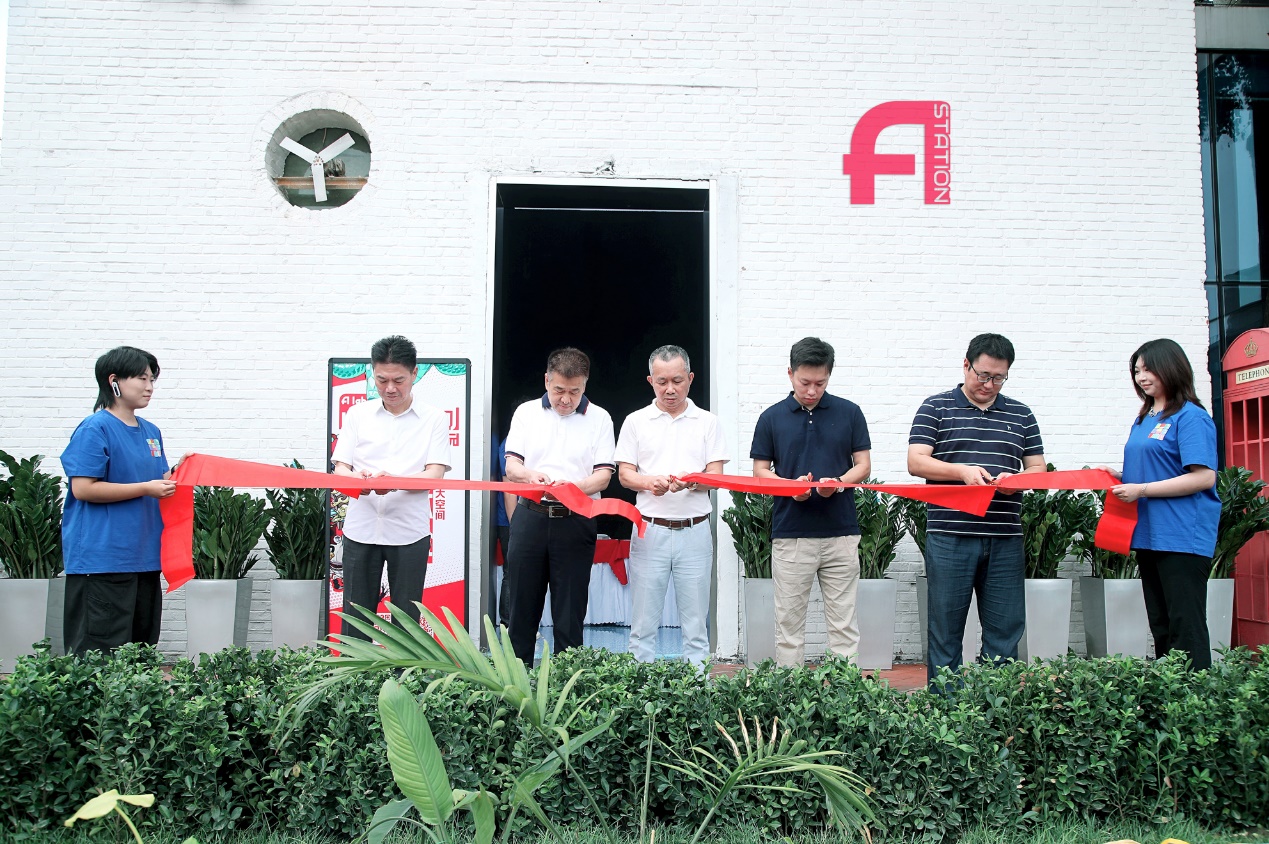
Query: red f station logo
<point x="863" y="164"/>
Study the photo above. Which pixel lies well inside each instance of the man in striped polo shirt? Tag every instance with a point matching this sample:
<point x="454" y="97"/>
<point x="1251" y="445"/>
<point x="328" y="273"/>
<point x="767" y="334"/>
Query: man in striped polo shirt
<point x="975" y="435"/>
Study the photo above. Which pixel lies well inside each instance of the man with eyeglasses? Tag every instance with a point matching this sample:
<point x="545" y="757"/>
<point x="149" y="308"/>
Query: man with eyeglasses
<point x="975" y="435"/>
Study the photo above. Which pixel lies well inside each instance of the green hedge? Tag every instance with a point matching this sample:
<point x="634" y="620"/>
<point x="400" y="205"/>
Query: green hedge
<point x="1118" y="739"/>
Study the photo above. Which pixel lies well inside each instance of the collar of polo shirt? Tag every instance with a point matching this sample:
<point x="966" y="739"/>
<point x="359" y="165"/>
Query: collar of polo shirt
<point x="1001" y="401"/>
<point x="581" y="405"/>
<point x="795" y="405"/>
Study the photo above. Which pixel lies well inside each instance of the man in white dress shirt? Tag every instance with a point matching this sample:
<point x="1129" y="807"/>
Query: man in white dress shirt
<point x="560" y="438"/>
<point x="392" y="435"/>
<point x="670" y="438"/>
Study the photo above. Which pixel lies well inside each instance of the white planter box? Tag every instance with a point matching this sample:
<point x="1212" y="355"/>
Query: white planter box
<point x="1220" y="614"/>
<point x="216" y="614"/>
<point x="971" y="642"/>
<point x="295" y="608"/>
<point x="759" y="620"/>
<point x="55" y="625"/>
<point x="1114" y="617"/>
<point x="1048" y="631"/>
<point x="875" y="608"/>
<point x="23" y="617"/>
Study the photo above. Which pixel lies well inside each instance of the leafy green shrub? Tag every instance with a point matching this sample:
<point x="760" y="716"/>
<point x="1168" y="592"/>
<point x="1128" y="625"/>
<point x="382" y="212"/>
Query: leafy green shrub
<point x="1110" y="739"/>
<point x="30" y="519"/>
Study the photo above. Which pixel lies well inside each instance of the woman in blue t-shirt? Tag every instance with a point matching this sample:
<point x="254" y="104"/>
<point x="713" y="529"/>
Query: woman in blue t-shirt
<point x="1170" y="471"/>
<point x="111" y="526"/>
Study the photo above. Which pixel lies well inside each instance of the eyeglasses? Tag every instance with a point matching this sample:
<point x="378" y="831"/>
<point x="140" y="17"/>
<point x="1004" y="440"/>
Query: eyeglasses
<point x="998" y="380"/>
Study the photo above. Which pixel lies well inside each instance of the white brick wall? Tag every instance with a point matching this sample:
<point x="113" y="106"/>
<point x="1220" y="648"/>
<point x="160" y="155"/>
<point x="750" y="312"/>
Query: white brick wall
<point x="136" y="208"/>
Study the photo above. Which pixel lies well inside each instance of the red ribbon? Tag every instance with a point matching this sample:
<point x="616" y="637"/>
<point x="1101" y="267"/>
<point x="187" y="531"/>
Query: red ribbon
<point x="177" y="557"/>
<point x="1114" y="529"/>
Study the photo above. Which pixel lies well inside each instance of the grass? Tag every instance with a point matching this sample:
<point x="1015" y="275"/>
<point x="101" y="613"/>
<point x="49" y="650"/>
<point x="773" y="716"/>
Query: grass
<point x="1063" y="832"/>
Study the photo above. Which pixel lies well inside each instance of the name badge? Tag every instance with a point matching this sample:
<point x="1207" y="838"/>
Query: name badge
<point x="1160" y="431"/>
<point x="156" y="448"/>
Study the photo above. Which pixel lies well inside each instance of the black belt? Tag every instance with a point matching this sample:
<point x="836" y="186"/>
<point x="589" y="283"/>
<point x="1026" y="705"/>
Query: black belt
<point x="675" y="524"/>
<point x="552" y="511"/>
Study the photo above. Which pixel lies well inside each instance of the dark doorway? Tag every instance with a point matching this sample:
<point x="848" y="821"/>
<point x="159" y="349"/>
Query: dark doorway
<point x="614" y="271"/>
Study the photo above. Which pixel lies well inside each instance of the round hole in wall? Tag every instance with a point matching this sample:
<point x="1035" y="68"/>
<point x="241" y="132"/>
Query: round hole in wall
<point x="319" y="159"/>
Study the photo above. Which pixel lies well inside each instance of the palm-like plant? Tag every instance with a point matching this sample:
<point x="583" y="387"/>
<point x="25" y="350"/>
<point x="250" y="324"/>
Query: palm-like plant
<point x="880" y="529"/>
<point x="297" y="537"/>
<point x="778" y="757"/>
<point x="227" y="527"/>
<point x="417" y="764"/>
<point x="30" y="520"/>
<point x="749" y="518"/>
<point x="1106" y="564"/>
<point x="914" y="517"/>
<point x="1051" y="521"/>
<point x="1244" y="513"/>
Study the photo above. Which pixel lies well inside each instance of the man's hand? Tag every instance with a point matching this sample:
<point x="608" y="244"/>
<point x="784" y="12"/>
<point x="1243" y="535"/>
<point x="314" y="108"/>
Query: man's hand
<point x="661" y="484"/>
<point x="974" y="475"/>
<point x="377" y="475"/>
<point x="1000" y="478"/>
<point x="829" y="493"/>
<point x="804" y="496"/>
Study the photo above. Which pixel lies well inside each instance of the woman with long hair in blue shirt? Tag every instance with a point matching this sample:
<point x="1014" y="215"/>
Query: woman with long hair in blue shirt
<point x="1170" y="471"/>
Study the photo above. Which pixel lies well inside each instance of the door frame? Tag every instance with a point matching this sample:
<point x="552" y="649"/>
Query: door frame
<point x="721" y="283"/>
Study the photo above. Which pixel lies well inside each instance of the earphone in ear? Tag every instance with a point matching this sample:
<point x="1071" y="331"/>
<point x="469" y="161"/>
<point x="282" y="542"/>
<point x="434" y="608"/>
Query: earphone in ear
<point x="114" y="388"/>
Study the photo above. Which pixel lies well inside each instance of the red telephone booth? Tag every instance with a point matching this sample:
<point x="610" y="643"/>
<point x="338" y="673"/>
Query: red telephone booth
<point x="1246" y="367"/>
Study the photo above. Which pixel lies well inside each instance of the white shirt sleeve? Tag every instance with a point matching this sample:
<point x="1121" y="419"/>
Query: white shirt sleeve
<point x="438" y="449"/>
<point x="604" y="447"/>
<point x="346" y="444"/>
<point x="628" y="443"/>
<point x="516" y="436"/>
<point x="715" y="442"/>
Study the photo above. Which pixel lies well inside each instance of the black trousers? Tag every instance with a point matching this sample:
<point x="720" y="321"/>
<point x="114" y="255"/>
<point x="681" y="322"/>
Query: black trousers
<point x="363" y="576"/>
<point x="504" y="592"/>
<point x="548" y="552"/>
<point x="104" y="611"/>
<point x="1175" y="586"/>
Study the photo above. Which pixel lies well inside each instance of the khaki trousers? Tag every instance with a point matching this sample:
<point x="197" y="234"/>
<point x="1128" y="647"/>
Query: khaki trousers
<point x="794" y="566"/>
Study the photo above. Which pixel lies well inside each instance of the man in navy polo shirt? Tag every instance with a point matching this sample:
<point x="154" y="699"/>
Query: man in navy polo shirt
<point x="975" y="435"/>
<point x="813" y="435"/>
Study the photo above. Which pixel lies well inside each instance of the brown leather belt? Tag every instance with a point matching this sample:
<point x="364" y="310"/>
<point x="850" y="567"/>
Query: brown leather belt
<point x="675" y="524"/>
<point x="552" y="511"/>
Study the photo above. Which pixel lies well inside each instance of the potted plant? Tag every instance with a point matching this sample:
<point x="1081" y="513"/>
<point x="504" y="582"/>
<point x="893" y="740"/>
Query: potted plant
<point x="296" y="542"/>
<point x="914" y="517"/>
<point x="1050" y="522"/>
<point x="32" y="595"/>
<point x="881" y="519"/>
<point x="749" y="519"/>
<point x="227" y="527"/>
<point x="1244" y="513"/>
<point x="1114" y="606"/>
